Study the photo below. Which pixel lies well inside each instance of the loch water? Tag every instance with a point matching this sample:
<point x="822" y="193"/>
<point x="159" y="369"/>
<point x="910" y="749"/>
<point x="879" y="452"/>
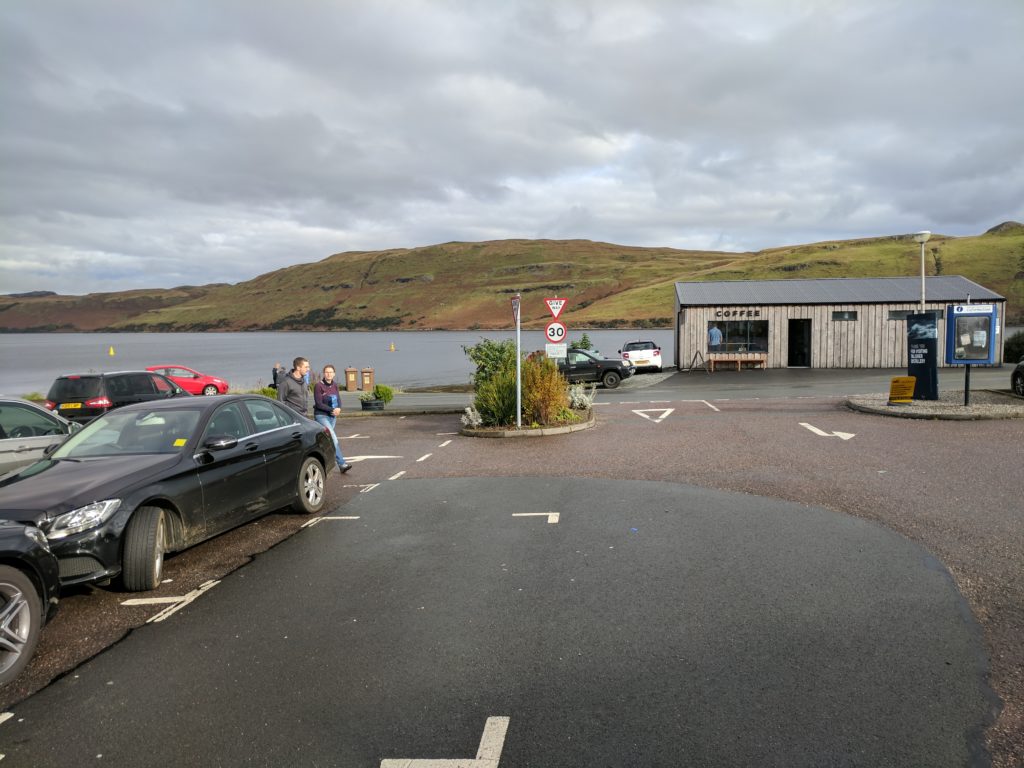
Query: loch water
<point x="31" y="361"/>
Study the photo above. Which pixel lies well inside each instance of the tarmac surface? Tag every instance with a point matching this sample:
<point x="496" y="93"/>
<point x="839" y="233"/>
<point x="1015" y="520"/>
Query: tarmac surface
<point x="770" y="530"/>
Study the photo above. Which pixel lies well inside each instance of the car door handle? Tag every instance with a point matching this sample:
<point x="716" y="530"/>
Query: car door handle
<point x="252" y="447"/>
<point x="296" y="435"/>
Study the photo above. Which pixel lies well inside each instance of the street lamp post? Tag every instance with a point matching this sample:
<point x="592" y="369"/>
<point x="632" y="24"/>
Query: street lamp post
<point x="922" y="238"/>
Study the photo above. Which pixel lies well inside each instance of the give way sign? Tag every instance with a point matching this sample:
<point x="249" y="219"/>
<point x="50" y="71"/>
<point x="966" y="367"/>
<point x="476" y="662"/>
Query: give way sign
<point x="555" y="305"/>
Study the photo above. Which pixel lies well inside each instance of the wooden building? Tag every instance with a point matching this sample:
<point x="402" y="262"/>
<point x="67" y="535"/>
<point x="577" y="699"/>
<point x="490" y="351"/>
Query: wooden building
<point x="826" y="323"/>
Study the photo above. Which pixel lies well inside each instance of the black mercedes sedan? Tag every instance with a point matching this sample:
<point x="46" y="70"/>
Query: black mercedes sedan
<point x="158" y="477"/>
<point x="29" y="589"/>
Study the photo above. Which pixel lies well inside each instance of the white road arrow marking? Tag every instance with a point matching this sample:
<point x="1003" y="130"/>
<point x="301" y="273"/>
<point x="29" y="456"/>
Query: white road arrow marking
<point x="350" y="459"/>
<point x="487" y="755"/>
<point x="840" y="435"/>
<point x="663" y="411"/>
<point x="551" y="516"/>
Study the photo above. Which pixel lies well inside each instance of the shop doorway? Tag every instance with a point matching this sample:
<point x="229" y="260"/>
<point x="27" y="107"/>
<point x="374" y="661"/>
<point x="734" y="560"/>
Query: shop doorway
<point x="800" y="343"/>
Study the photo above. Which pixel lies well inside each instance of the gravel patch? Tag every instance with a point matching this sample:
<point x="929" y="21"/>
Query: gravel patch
<point x="984" y="404"/>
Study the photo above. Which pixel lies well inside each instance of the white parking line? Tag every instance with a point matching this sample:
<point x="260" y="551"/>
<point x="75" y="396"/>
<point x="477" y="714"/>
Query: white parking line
<point x="369" y="487"/>
<point x="356" y="436"/>
<point x="443" y="434"/>
<point x="709" y="405"/>
<point x="166" y="613"/>
<point x="397" y="475"/>
<point x="367" y="458"/>
<point x="446" y="442"/>
<point x="551" y="516"/>
<point x="5" y="717"/>
<point x="315" y="520"/>
<point x="424" y="457"/>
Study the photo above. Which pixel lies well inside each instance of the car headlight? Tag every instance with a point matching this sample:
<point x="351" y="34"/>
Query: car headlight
<point x="82" y="519"/>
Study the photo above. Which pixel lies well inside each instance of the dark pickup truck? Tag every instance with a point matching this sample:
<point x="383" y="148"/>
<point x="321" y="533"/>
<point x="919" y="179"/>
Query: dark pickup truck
<point x="582" y="365"/>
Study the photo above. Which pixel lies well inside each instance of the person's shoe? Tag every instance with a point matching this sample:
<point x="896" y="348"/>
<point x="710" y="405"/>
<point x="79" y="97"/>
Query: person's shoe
<point x="343" y="468"/>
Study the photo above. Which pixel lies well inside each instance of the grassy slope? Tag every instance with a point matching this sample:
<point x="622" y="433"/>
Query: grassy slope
<point x="468" y="285"/>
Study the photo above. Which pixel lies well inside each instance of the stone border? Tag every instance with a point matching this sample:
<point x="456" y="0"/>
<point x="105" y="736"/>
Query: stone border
<point x="878" y="405"/>
<point x="542" y="432"/>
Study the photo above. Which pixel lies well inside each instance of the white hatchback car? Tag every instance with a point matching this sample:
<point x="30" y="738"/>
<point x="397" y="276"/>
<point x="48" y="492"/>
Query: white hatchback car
<point x="642" y="354"/>
<point x="26" y="431"/>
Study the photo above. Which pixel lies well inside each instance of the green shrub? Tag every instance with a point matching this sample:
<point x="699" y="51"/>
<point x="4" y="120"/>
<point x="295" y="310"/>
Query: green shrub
<point x="496" y="398"/>
<point x="490" y="357"/>
<point x="583" y="342"/>
<point x="1013" y="350"/>
<point x="383" y="392"/>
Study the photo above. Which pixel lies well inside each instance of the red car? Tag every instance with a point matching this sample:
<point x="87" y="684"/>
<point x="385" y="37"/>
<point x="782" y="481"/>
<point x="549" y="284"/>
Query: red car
<point x="193" y="382"/>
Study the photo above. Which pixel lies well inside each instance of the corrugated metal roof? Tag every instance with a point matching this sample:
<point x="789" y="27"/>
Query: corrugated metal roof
<point x="833" y="290"/>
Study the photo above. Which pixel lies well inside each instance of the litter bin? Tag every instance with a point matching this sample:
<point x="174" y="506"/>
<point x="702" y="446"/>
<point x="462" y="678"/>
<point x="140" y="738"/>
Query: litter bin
<point x="351" y="379"/>
<point x="367" y="379"/>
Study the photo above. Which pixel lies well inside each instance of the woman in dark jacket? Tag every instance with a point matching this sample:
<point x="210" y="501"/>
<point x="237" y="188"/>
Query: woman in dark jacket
<point x="326" y="407"/>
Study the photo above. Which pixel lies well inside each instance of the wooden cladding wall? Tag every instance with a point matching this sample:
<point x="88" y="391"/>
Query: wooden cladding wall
<point x="870" y="341"/>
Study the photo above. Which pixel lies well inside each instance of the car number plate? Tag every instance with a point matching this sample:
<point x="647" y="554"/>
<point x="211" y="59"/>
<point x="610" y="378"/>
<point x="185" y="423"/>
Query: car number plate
<point x="642" y="362"/>
<point x="70" y="405"/>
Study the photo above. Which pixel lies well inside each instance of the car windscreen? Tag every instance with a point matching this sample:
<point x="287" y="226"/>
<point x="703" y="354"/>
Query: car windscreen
<point x="74" y="388"/>
<point x="126" y="432"/>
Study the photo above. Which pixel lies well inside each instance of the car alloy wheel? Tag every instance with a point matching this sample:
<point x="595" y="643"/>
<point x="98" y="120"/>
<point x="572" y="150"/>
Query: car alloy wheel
<point x="20" y="622"/>
<point x="209" y="389"/>
<point x="1018" y="384"/>
<point x="311" y="486"/>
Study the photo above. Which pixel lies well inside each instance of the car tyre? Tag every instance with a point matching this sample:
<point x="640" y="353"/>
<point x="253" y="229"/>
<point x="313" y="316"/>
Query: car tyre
<point x="21" y="621"/>
<point x="310" y="487"/>
<point x="209" y="389"/>
<point x="1018" y="384"/>
<point x="611" y="379"/>
<point x="144" y="547"/>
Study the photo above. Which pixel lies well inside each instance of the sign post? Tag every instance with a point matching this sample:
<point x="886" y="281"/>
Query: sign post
<point x="519" y="375"/>
<point x="970" y="338"/>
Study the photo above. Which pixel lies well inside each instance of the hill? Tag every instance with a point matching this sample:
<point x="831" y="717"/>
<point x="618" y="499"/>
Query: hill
<point x="468" y="285"/>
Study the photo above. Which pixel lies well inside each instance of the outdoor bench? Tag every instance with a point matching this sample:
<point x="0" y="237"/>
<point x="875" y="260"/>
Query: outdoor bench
<point x="739" y="358"/>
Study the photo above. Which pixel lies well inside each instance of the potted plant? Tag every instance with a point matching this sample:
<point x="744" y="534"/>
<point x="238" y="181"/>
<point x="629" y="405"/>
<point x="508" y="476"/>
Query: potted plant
<point x="377" y="398"/>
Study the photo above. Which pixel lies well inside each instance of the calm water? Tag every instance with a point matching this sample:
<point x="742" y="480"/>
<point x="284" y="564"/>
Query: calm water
<point x="32" y="361"/>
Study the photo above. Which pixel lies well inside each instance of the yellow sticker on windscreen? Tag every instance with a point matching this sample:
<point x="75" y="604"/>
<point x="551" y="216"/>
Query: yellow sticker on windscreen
<point x="180" y="442"/>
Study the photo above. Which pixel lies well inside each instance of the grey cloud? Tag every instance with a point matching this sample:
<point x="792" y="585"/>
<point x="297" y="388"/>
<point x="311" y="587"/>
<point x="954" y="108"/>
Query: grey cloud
<point x="191" y="142"/>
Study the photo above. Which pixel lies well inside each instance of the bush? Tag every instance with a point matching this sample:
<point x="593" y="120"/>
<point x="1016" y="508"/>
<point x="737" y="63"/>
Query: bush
<point x="496" y="398"/>
<point x="1013" y="350"/>
<point x="583" y="342"/>
<point x="545" y="390"/>
<point x="490" y="357"/>
<point x="379" y="392"/>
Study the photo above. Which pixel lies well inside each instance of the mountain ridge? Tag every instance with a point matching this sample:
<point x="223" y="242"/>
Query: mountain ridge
<point x="467" y="285"/>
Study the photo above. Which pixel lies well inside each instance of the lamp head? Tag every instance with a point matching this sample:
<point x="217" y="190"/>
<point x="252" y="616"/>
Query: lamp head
<point x="922" y="237"/>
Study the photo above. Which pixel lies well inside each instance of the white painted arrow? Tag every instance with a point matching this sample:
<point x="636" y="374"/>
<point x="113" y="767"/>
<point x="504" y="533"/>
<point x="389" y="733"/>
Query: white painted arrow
<point x="551" y="516"/>
<point x="487" y="755"/>
<point x="840" y="435"/>
<point x="663" y="411"/>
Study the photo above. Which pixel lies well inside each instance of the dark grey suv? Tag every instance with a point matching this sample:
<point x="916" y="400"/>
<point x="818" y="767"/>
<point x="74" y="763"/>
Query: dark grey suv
<point x="82" y="397"/>
<point x="1017" y="378"/>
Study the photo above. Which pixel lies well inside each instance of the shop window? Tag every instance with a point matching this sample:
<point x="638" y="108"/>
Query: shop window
<point x="843" y="315"/>
<point x="741" y="335"/>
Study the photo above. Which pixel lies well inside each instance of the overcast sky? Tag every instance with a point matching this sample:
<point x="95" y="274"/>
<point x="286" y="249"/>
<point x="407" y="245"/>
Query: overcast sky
<point x="155" y="144"/>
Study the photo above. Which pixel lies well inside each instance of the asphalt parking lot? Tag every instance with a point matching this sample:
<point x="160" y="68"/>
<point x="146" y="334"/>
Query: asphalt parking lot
<point x="924" y="481"/>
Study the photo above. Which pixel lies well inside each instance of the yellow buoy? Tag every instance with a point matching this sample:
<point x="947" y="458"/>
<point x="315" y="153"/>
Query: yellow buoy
<point x="110" y="351"/>
<point x="392" y="347"/>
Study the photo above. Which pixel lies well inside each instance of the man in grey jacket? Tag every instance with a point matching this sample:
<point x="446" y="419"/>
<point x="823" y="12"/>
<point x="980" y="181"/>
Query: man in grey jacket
<point x="291" y="388"/>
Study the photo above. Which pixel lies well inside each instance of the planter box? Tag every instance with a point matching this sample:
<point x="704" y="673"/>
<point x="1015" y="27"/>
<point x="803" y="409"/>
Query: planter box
<point x="372" y="405"/>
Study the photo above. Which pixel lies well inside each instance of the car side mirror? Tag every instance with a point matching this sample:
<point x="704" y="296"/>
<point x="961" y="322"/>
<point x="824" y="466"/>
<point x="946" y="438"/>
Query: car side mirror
<point x="220" y="442"/>
<point x="620" y="351"/>
<point x="48" y="450"/>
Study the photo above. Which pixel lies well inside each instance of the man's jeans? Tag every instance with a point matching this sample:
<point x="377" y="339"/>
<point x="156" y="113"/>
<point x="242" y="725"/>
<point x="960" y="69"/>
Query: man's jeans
<point x="329" y="421"/>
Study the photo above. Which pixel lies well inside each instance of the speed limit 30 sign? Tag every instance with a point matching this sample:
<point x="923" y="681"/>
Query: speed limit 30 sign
<point x="555" y="332"/>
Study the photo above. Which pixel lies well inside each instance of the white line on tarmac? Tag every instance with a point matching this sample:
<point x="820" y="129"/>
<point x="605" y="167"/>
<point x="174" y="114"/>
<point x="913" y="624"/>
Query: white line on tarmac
<point x="369" y="488"/>
<point x="446" y="442"/>
<point x="166" y="613"/>
<point x="709" y="405"/>
<point x="444" y="434"/>
<point x="356" y="436"/>
<point x="551" y="516"/>
<point x="367" y="458"/>
<point x="397" y="475"/>
<point x="5" y="717"/>
<point x="424" y="457"/>
<point x="315" y="520"/>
